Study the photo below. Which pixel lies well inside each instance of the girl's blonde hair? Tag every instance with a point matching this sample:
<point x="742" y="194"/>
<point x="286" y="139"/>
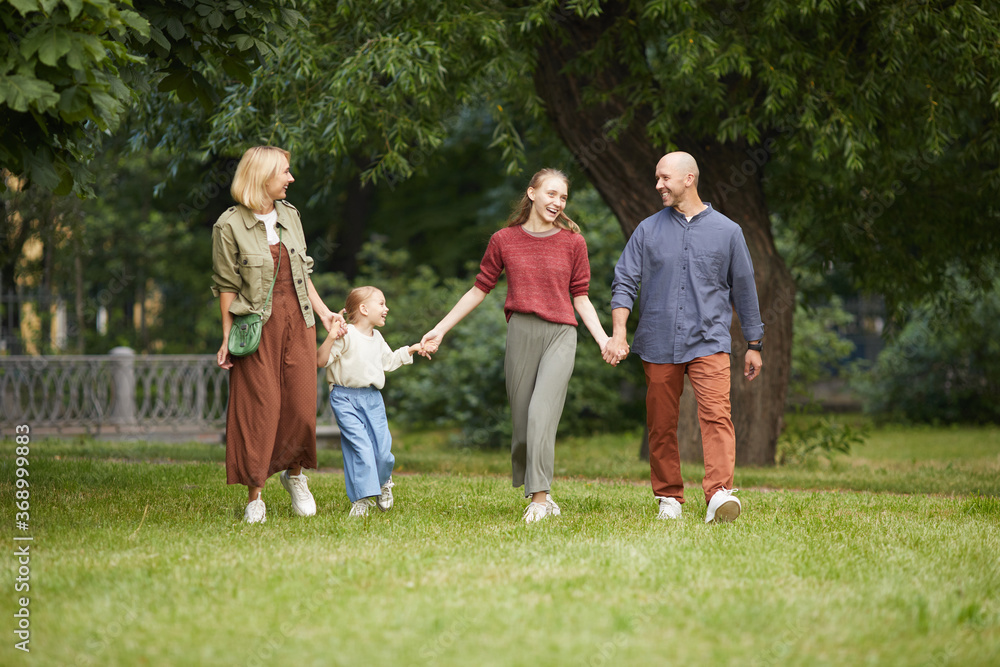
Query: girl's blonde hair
<point x="522" y="210"/>
<point x="257" y="166"/>
<point x="356" y="297"/>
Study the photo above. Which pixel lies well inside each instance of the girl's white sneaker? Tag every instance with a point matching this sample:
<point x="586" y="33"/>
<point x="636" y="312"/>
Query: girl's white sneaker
<point x="360" y="507"/>
<point x="384" y="501"/>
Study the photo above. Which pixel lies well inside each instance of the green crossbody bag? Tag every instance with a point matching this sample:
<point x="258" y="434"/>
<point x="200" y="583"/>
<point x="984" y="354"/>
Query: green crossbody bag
<point x="244" y="336"/>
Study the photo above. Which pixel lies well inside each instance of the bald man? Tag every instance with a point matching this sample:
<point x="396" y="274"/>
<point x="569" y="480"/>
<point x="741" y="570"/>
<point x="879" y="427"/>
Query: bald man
<point x="694" y="268"/>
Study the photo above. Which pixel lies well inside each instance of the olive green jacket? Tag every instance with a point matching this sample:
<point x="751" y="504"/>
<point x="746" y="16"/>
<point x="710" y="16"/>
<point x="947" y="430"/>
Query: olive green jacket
<point x="242" y="263"/>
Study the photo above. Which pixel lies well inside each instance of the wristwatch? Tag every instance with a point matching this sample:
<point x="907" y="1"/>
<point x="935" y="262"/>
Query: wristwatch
<point x="758" y="346"/>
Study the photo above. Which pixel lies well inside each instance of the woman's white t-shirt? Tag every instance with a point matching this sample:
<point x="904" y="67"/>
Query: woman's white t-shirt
<point x="270" y="221"/>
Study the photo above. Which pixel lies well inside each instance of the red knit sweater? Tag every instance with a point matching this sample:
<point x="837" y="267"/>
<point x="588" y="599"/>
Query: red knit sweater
<point x="542" y="273"/>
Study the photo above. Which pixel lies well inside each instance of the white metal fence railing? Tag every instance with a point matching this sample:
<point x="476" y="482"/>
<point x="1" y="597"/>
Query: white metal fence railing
<point x="119" y="391"/>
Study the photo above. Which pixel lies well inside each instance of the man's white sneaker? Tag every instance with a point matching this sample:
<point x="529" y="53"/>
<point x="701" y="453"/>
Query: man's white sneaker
<point x="360" y="507"/>
<point x="551" y="506"/>
<point x="535" y="512"/>
<point x="384" y="501"/>
<point x="723" y="506"/>
<point x="255" y="511"/>
<point x="670" y="508"/>
<point x="303" y="502"/>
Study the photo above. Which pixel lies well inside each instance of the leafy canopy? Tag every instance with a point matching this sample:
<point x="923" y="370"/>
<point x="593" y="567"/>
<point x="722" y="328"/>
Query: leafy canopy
<point x="873" y="124"/>
<point x="851" y="111"/>
<point x="70" y="69"/>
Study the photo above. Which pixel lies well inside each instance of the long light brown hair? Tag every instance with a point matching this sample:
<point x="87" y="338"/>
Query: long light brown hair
<point x="522" y="210"/>
<point x="356" y="297"/>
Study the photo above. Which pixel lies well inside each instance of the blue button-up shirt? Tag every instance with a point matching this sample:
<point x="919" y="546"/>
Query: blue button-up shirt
<point x="692" y="274"/>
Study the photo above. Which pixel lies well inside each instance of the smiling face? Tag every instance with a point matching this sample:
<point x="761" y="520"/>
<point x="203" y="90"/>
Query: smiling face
<point x="374" y="310"/>
<point x="548" y="200"/>
<point x="277" y="185"/>
<point x="672" y="182"/>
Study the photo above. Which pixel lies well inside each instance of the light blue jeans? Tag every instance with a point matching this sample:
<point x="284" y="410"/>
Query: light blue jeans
<point x="364" y="439"/>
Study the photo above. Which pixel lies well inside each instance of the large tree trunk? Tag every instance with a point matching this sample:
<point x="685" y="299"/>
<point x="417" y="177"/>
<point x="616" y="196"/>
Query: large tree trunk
<point x="731" y="179"/>
<point x="354" y="232"/>
<point x="622" y="171"/>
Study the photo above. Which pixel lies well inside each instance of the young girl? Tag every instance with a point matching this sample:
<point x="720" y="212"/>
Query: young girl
<point x="356" y="363"/>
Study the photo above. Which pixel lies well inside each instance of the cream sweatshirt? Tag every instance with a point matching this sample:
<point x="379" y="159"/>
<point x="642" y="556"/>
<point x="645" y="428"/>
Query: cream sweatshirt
<point x="357" y="360"/>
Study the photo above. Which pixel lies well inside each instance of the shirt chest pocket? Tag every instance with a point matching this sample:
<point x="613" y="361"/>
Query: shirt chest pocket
<point x="251" y="268"/>
<point x="708" y="266"/>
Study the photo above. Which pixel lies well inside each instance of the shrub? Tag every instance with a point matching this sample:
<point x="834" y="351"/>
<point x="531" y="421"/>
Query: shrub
<point x="804" y="439"/>
<point x="818" y="350"/>
<point x="944" y="365"/>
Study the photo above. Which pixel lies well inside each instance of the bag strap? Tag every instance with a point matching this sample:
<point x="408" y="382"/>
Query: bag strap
<point x="268" y="302"/>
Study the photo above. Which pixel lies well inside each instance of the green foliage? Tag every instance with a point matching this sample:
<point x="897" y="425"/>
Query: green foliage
<point x="805" y="438"/>
<point x="143" y="254"/>
<point x="857" y="108"/>
<point x="70" y="69"/>
<point x="190" y="41"/>
<point x="60" y="83"/>
<point x="944" y="365"/>
<point x="139" y="259"/>
<point x="851" y="112"/>
<point x="818" y="350"/>
<point x="375" y="86"/>
<point x="875" y="218"/>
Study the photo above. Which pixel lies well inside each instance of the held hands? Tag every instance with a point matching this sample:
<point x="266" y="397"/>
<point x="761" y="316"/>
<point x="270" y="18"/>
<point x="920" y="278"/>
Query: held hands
<point x="430" y="343"/>
<point x="334" y="323"/>
<point x="335" y="326"/>
<point x="752" y="365"/>
<point x="614" y="351"/>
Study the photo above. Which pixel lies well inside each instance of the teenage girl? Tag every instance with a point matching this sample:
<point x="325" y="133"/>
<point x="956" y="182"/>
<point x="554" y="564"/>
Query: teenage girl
<point x="544" y="256"/>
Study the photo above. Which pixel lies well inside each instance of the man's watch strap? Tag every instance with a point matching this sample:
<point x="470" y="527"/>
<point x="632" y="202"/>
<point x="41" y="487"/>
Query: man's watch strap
<point x="758" y="346"/>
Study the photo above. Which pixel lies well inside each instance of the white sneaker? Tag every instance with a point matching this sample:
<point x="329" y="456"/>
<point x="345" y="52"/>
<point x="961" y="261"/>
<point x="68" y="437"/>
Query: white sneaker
<point x="303" y="502"/>
<point x="723" y="506"/>
<point x="255" y="511"/>
<point x="670" y="508"/>
<point x="360" y="507"/>
<point x="384" y="501"/>
<point x="551" y="506"/>
<point x="535" y="512"/>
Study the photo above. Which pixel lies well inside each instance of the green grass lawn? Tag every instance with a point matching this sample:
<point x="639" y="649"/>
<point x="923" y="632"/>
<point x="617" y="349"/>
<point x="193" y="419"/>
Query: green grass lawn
<point x="889" y="556"/>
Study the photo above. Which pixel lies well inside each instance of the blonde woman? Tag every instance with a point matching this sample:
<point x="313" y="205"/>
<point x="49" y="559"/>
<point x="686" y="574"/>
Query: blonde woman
<point x="271" y="421"/>
<point x="548" y="277"/>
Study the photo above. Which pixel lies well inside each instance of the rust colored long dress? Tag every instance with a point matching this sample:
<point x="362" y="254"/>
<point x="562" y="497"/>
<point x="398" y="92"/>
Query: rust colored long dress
<point x="271" y="422"/>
